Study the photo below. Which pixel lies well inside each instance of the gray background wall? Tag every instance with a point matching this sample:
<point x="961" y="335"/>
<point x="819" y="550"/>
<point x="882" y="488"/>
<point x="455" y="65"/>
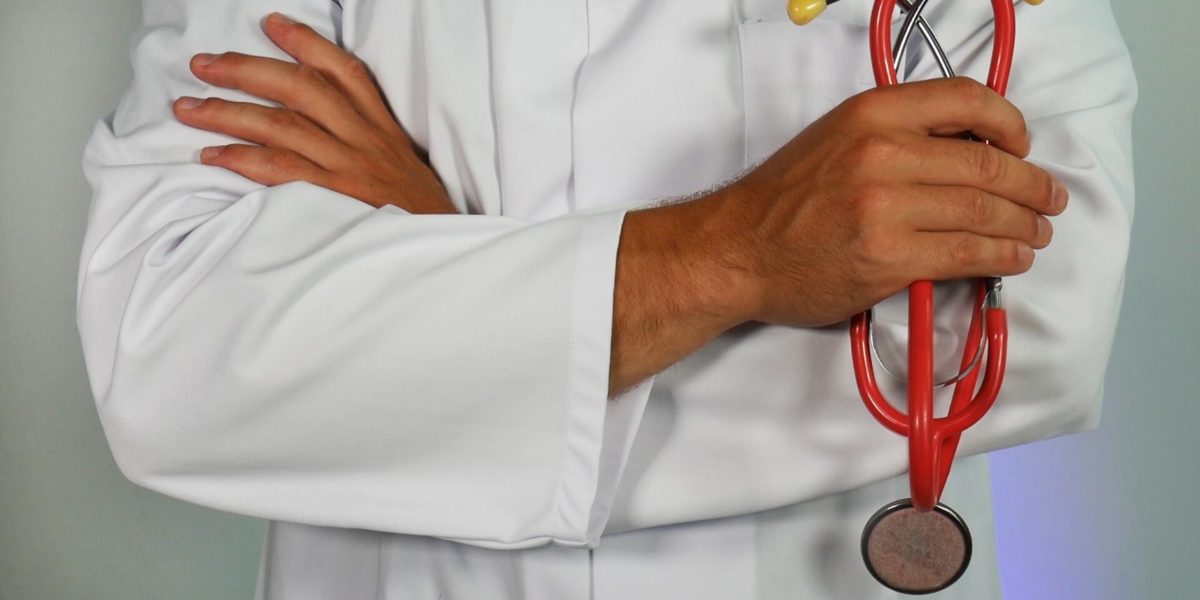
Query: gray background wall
<point x="1107" y="515"/>
<point x="1111" y="514"/>
<point x="70" y="526"/>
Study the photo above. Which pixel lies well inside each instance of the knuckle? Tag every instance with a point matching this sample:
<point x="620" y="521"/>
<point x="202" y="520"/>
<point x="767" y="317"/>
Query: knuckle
<point x="968" y="91"/>
<point x="862" y="106"/>
<point x="232" y="154"/>
<point x="979" y="211"/>
<point x="233" y="151"/>
<point x="208" y="106"/>
<point x="987" y="164"/>
<point x="281" y="119"/>
<point x="232" y="60"/>
<point x="308" y="77"/>
<point x="965" y="252"/>
<point x="356" y="70"/>
<point x="871" y="150"/>
<point x="302" y="29"/>
<point x="277" y="162"/>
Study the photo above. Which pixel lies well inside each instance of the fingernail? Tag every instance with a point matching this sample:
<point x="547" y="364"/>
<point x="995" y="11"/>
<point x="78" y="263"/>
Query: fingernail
<point x="211" y="152"/>
<point x="1045" y="231"/>
<point x="204" y="59"/>
<point x="280" y="18"/>
<point x="1025" y="253"/>
<point x="1060" y="193"/>
<point x="188" y="102"/>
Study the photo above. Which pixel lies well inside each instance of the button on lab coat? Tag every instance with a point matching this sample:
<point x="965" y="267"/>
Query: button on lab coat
<point x="418" y="403"/>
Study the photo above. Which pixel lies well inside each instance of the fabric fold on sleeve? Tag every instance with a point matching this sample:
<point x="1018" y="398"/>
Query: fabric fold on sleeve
<point x="291" y="353"/>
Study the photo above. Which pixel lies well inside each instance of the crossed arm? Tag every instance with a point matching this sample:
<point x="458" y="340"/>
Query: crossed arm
<point x="869" y="198"/>
<point x="290" y="351"/>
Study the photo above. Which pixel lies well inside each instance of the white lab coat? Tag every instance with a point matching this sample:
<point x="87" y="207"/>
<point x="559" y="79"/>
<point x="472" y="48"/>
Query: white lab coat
<point x="418" y="403"/>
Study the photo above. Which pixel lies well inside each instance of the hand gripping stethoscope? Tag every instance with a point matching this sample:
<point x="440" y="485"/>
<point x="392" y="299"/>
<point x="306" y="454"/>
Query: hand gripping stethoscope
<point x="918" y="545"/>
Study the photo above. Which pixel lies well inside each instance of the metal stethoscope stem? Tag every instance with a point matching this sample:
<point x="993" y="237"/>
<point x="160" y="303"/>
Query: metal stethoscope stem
<point x="914" y="18"/>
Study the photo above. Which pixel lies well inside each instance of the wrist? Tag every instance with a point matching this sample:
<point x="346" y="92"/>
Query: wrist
<point x="678" y="285"/>
<point x="701" y="256"/>
<point x="723" y="231"/>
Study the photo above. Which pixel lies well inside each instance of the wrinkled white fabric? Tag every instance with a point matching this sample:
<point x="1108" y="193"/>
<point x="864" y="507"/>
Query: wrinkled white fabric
<point x="418" y="402"/>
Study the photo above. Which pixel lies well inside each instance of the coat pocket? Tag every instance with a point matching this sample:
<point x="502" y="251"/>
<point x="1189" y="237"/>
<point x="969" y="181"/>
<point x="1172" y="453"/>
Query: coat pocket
<point x="792" y="75"/>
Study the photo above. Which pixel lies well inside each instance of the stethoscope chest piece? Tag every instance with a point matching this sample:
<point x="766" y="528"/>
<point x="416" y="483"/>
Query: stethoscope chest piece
<point x="915" y="552"/>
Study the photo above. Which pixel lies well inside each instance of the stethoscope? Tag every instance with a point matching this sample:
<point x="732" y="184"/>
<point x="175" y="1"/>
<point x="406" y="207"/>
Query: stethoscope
<point x="919" y="545"/>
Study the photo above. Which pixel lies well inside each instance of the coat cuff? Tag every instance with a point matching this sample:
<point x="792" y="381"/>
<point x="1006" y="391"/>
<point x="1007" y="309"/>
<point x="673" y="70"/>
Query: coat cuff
<point x="599" y="431"/>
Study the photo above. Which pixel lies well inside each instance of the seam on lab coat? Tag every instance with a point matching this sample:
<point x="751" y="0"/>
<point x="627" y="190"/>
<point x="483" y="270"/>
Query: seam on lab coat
<point x="741" y="46"/>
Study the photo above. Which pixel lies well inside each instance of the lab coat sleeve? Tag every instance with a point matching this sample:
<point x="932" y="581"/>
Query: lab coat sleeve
<point x="1073" y="80"/>
<point x="291" y="353"/>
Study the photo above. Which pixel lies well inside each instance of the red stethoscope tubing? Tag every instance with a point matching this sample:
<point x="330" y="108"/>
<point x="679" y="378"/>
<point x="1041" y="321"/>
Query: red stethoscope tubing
<point x="932" y="442"/>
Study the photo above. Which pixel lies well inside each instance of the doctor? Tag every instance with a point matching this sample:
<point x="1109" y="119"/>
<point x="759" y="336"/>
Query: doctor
<point x="295" y="326"/>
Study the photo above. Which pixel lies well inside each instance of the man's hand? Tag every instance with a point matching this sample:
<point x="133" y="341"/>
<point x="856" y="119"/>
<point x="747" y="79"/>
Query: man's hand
<point x="874" y="196"/>
<point x="333" y="128"/>
<point x="866" y="200"/>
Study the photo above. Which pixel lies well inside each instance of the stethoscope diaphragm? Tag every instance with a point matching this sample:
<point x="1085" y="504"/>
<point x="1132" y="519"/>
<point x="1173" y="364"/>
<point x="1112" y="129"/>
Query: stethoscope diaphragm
<point x="915" y="552"/>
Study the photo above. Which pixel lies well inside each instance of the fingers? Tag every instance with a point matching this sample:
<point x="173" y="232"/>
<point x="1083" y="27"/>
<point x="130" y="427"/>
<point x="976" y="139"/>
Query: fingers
<point x="943" y="232"/>
<point x="299" y="87"/>
<point x="963" y="209"/>
<point x="264" y="125"/>
<point x="950" y="107"/>
<point x="346" y="71"/>
<point x="959" y="255"/>
<point x="268" y="166"/>
<point x="953" y="162"/>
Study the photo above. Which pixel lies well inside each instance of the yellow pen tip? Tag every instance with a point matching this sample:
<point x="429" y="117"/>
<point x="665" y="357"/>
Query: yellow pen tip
<point x="1033" y="2"/>
<point x="802" y="12"/>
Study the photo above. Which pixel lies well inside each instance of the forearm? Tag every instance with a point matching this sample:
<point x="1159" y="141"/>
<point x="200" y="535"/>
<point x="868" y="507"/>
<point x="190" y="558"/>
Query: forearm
<point x="250" y="345"/>
<point x="677" y="288"/>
